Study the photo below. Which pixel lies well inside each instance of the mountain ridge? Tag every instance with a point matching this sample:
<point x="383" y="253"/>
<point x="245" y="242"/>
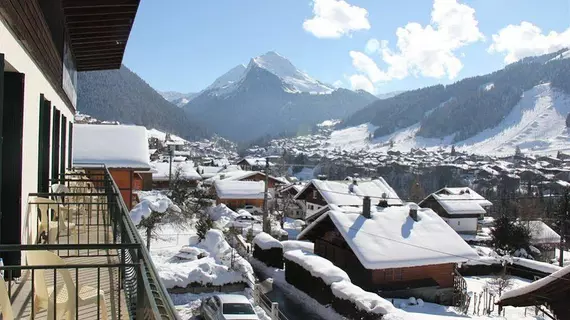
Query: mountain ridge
<point x="275" y="96"/>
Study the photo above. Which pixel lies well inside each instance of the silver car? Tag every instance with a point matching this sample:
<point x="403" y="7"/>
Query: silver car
<point x="227" y="307"/>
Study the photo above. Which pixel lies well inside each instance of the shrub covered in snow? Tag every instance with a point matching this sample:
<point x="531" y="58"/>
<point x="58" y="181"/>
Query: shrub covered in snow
<point x="266" y="242"/>
<point x="318" y="266"/>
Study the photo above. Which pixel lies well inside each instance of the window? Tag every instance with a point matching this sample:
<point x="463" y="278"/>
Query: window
<point x="63" y="145"/>
<point x="237" y="308"/>
<point x="315" y="194"/>
<point x="389" y="275"/>
<point x="55" y="145"/>
<point x="398" y="274"/>
<point x="43" y="144"/>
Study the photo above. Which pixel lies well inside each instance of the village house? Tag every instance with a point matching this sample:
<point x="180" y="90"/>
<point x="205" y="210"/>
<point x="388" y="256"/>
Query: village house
<point x="238" y="194"/>
<point x="161" y="174"/>
<point x="242" y="175"/>
<point x="318" y="194"/>
<point x="543" y="238"/>
<point x="253" y="164"/>
<point x="123" y="149"/>
<point x="398" y="251"/>
<point x="461" y="208"/>
<point x="293" y="208"/>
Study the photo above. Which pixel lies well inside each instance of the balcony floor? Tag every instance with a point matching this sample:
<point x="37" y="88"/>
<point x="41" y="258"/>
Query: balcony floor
<point x="105" y="278"/>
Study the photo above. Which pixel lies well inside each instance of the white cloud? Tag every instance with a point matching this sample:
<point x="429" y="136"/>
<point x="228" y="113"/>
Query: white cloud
<point x="335" y="18"/>
<point x="366" y="65"/>
<point x="526" y="39"/>
<point x="361" y="82"/>
<point x="428" y="51"/>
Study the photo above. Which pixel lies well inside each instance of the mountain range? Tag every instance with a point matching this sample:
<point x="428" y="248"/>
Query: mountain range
<point x="270" y="96"/>
<point x="178" y="98"/>
<point x="121" y="95"/>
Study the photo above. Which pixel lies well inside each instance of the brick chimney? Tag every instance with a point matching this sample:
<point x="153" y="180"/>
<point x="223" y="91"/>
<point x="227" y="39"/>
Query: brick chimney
<point x="366" y="207"/>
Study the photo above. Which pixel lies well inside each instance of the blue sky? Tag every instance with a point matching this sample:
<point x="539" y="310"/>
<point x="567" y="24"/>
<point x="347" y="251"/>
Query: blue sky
<point x="184" y="45"/>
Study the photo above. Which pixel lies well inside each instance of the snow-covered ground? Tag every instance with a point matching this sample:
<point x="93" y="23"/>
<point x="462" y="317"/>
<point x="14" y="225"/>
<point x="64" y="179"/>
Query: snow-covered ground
<point x="537" y="124"/>
<point x="432" y="311"/>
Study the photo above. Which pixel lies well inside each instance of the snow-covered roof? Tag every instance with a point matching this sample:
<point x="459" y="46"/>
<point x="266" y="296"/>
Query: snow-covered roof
<point x="560" y="275"/>
<point x="256" y="161"/>
<point x="161" y="171"/>
<point x="266" y="241"/>
<point x="208" y="172"/>
<point x="465" y="193"/>
<point x="541" y="233"/>
<point x="227" y="189"/>
<point x="457" y="204"/>
<point x="318" y="266"/>
<point x="344" y="193"/>
<point x="392" y="239"/>
<point x="116" y="146"/>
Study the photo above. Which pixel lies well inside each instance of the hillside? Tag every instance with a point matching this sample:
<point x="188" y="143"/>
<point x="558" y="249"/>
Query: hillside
<point x="465" y="108"/>
<point x="178" y="98"/>
<point x="536" y="124"/>
<point x="268" y="97"/>
<point x="121" y="95"/>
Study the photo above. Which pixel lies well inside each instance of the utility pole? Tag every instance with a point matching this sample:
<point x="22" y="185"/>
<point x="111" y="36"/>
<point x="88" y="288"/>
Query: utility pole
<point x="171" y="153"/>
<point x="563" y="228"/>
<point x="266" y="226"/>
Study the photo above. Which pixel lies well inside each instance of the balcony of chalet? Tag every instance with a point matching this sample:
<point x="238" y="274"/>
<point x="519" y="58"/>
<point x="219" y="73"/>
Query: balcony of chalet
<point x="83" y="257"/>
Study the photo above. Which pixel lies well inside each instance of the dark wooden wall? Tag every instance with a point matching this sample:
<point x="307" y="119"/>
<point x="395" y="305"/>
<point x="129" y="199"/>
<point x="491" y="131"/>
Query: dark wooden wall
<point x="26" y="20"/>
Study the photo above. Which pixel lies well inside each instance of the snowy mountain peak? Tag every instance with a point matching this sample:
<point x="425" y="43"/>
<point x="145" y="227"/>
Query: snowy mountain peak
<point x="295" y="81"/>
<point x="228" y="80"/>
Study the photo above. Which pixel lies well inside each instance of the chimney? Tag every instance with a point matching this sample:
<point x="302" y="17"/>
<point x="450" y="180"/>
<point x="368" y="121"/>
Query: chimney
<point x="366" y="207"/>
<point x="414" y="211"/>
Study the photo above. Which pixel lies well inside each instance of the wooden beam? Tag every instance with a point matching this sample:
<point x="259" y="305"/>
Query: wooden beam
<point x="99" y="67"/>
<point x="100" y="11"/>
<point x="116" y="41"/>
<point x="96" y="53"/>
<point x="110" y="37"/>
<point x="100" y="46"/>
<point x="98" y="19"/>
<point x="98" y="3"/>
<point x="98" y="31"/>
<point x="99" y="58"/>
<point x="97" y="26"/>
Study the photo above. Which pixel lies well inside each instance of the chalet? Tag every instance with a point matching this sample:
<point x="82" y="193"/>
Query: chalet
<point x="237" y="194"/>
<point x="320" y="193"/>
<point x="461" y="208"/>
<point x="161" y="174"/>
<point x="390" y="249"/>
<point x="208" y="172"/>
<point x="242" y="175"/>
<point x="549" y="294"/>
<point x="543" y="237"/>
<point x="123" y="149"/>
<point x="293" y="208"/>
<point x="253" y="164"/>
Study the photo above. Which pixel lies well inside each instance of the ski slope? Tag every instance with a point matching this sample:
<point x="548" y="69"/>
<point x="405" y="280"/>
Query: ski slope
<point x="537" y="124"/>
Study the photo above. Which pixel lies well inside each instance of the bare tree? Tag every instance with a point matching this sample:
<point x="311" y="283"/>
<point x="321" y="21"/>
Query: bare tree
<point x="500" y="284"/>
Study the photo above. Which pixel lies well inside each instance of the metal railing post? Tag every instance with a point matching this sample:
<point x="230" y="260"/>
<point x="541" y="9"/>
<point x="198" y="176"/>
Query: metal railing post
<point x="275" y="311"/>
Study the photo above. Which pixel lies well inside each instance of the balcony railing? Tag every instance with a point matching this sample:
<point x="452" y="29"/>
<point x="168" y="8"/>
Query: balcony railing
<point x="84" y="257"/>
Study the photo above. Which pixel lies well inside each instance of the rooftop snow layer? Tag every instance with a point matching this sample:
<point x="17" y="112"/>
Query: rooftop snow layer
<point x="392" y="239"/>
<point x="318" y="266"/>
<point x="466" y="193"/>
<point x="266" y="241"/>
<point x="541" y="233"/>
<point x="537" y="284"/>
<point x="116" y="146"/>
<point x="240" y="189"/>
<point x="364" y="300"/>
<point x="343" y="193"/>
<point x="457" y="204"/>
<point x="161" y="171"/>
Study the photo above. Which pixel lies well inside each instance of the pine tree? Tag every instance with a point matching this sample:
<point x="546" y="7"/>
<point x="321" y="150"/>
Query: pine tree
<point x="453" y="152"/>
<point x="203" y="225"/>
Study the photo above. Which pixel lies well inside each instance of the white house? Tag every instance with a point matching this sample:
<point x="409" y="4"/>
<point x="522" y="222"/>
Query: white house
<point x="318" y="194"/>
<point x="461" y="208"/>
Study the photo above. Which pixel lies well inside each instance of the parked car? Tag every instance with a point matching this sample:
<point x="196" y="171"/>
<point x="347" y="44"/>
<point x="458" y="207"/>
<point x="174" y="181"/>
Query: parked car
<point x="244" y="219"/>
<point x="253" y="209"/>
<point x="227" y="307"/>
